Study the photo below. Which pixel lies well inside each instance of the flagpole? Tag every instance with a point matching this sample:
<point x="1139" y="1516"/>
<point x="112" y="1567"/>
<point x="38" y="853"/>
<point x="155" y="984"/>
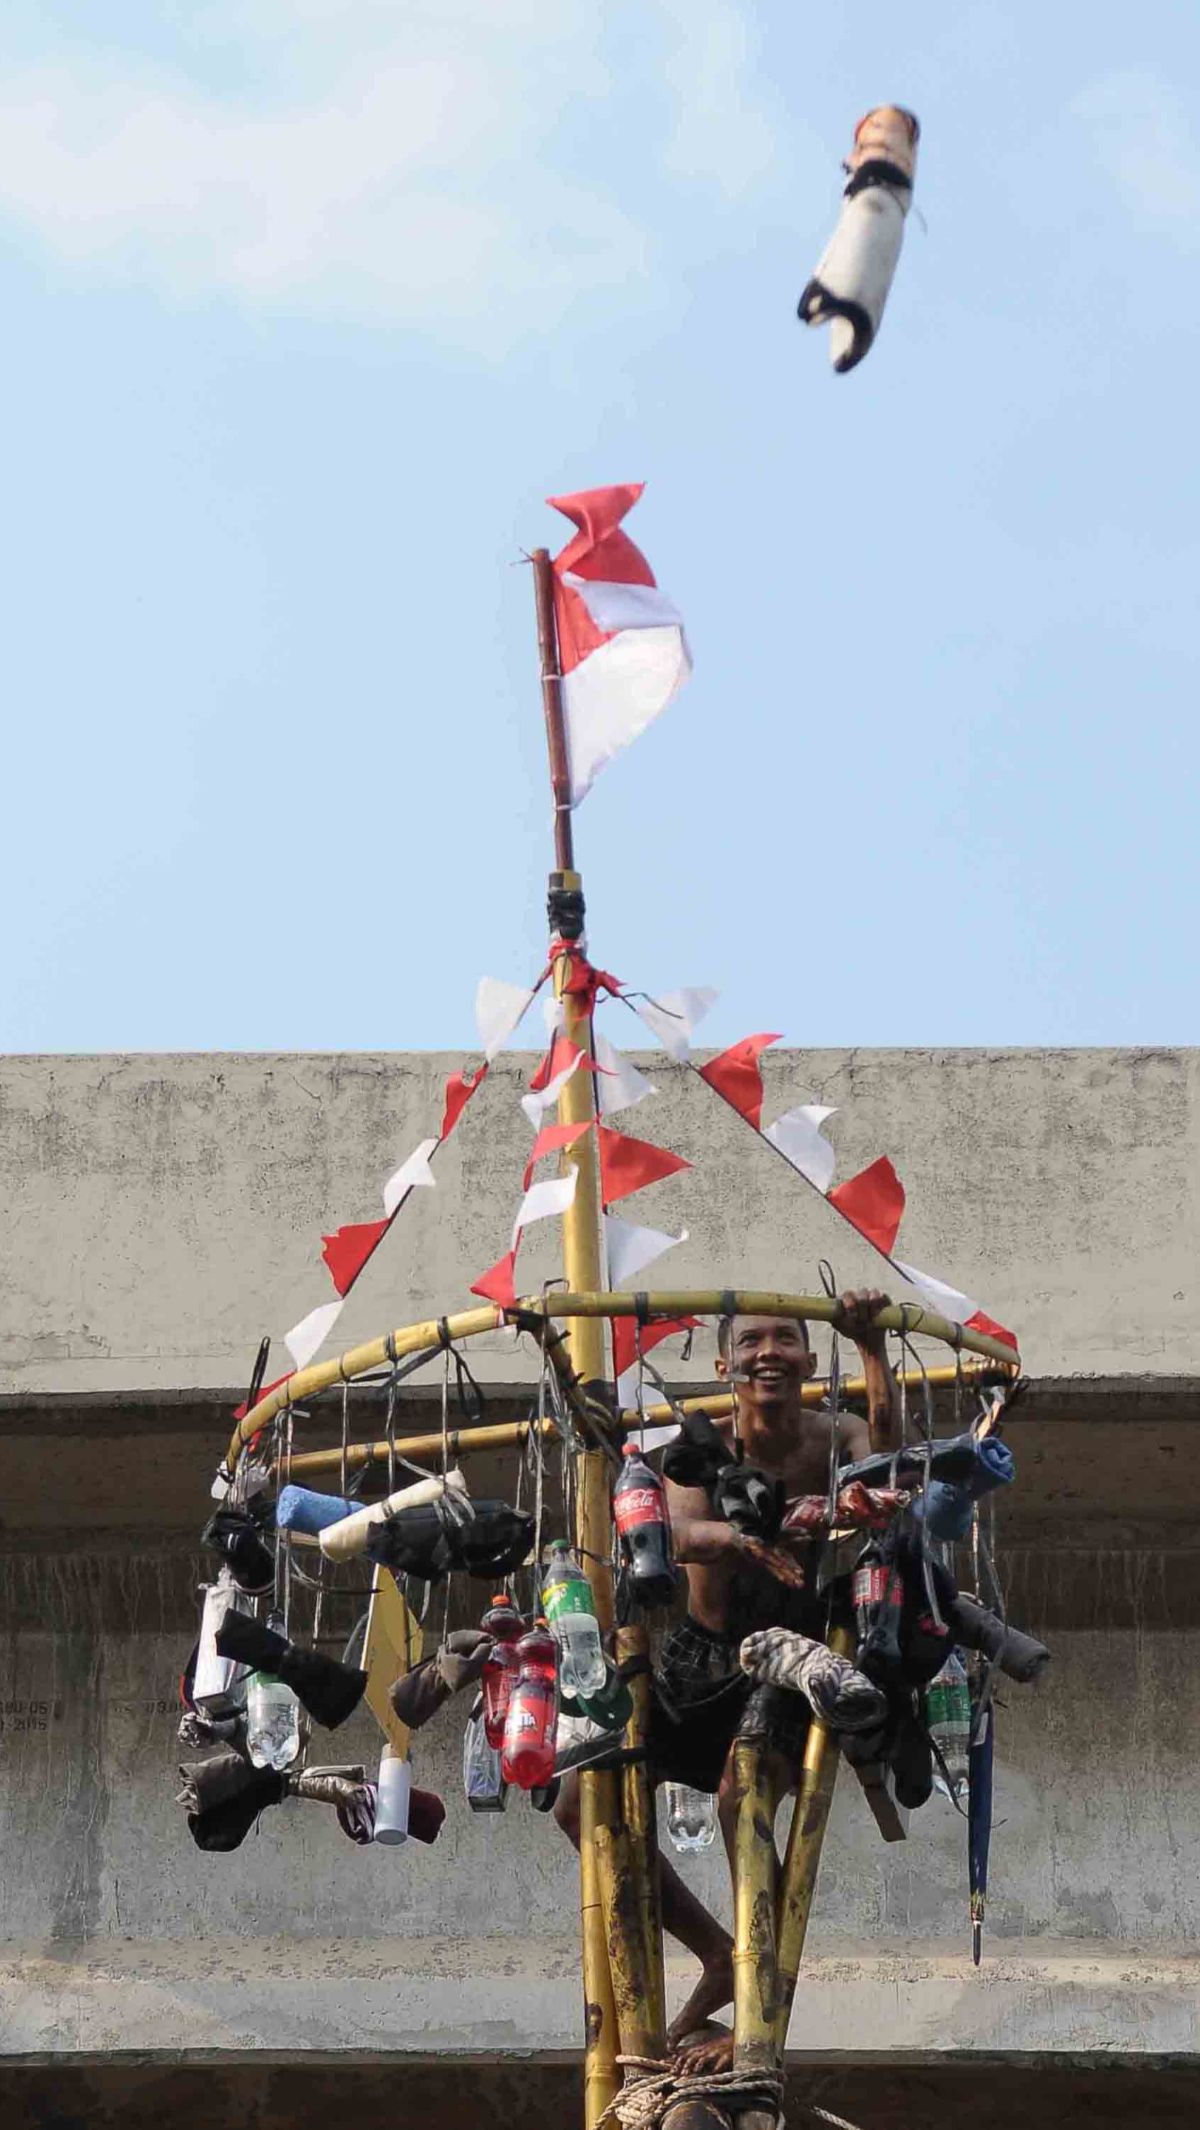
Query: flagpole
<point x="621" y="1927"/>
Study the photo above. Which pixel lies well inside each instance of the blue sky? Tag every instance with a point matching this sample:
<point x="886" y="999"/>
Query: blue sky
<point x="308" y="305"/>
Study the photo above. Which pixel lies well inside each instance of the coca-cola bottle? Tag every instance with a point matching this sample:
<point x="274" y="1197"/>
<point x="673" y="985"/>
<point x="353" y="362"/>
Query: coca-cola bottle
<point x="644" y="1529"/>
<point x="532" y="1720"/>
<point x="504" y="1623"/>
<point x="877" y="1590"/>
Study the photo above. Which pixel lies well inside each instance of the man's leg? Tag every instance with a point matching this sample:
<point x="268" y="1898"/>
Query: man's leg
<point x="716" y="2052"/>
<point x="684" y="1917"/>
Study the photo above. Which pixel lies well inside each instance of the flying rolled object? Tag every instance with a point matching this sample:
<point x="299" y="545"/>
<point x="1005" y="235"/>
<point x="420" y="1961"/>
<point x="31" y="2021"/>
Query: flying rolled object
<point x="850" y="286"/>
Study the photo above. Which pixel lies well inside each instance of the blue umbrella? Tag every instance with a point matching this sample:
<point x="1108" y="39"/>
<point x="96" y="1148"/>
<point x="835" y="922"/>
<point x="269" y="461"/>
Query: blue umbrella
<point x="979" y="1818"/>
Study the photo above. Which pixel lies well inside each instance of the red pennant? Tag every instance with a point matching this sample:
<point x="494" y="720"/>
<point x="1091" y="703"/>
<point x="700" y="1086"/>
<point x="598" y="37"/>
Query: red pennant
<point x="496" y="1285"/>
<point x="625" y="1337"/>
<point x="991" y="1329"/>
<point x="628" y="1165"/>
<point x="872" y="1202"/>
<point x="245" y="1407"/>
<point x="551" y="1140"/>
<point x="347" y="1251"/>
<point x="737" y="1077"/>
<point x="459" y="1089"/>
<point x="583" y="982"/>
<point x="559" y="1058"/>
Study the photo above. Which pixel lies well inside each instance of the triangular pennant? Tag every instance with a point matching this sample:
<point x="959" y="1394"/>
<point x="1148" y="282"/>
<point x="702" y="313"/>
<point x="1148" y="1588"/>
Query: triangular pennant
<point x="628" y="1165"/>
<point x="561" y="1060"/>
<point x="499" y="1008"/>
<point x="798" y="1137"/>
<point x="240" y="1411"/>
<point x="347" y="1250"/>
<point x="551" y="1140"/>
<point x="737" y="1076"/>
<point x="496" y="1285"/>
<point x="625" y="1348"/>
<point x="459" y="1089"/>
<point x="542" y="1200"/>
<point x="981" y="1321"/>
<point x="619" y="1084"/>
<point x="947" y="1301"/>
<point x="305" y="1338"/>
<point x="873" y="1202"/>
<point x="673" y="1017"/>
<point x="412" y="1175"/>
<point x="629" y="1249"/>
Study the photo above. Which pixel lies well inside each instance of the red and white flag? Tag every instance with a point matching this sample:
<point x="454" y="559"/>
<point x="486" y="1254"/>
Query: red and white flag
<point x="621" y="642"/>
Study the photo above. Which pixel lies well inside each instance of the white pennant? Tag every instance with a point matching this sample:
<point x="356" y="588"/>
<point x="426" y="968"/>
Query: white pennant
<point x="542" y="1200"/>
<point x="630" y="1249"/>
<point x="619" y="1084"/>
<point x="305" y="1338"/>
<point x="800" y="1141"/>
<point x="673" y="1017"/>
<point x="539" y="1100"/>
<point x="947" y="1301"/>
<point x="499" y="1007"/>
<point x="412" y="1175"/>
<point x="654" y="1438"/>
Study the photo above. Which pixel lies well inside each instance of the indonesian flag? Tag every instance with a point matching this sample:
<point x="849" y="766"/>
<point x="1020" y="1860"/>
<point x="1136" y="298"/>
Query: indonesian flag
<point x="621" y="642"/>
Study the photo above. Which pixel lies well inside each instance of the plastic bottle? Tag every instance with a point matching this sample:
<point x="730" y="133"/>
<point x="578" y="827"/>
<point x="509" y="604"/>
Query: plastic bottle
<point x="644" y="1527"/>
<point x="877" y="1592"/>
<point x="532" y="1720"/>
<point x="505" y="1625"/>
<point x="392" y="1796"/>
<point x="571" y="1611"/>
<point x="483" y="1783"/>
<point x="272" y="1721"/>
<point x="948" y="1715"/>
<point x="691" y="1818"/>
<point x="219" y="1684"/>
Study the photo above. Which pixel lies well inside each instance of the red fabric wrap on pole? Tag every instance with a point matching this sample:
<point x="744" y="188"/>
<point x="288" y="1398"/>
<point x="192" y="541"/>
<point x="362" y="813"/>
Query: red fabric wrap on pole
<point x="873" y="1202"/>
<point x="737" y="1076"/>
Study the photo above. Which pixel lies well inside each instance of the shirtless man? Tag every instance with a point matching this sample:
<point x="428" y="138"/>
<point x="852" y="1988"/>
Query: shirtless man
<point x="736" y="1584"/>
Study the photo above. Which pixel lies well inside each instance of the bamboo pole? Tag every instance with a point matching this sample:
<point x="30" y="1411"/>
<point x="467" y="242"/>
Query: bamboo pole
<point x="802" y="1858"/>
<point x="755" y="1867"/>
<point x="510" y="1434"/>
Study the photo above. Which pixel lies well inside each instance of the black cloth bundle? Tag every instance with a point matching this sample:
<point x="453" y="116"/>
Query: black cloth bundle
<point x="328" y="1690"/>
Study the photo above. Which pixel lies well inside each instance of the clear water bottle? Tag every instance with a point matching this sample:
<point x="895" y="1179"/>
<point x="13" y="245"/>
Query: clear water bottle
<point x="272" y="1722"/>
<point x="483" y="1784"/>
<point x="691" y="1818"/>
<point x="948" y="1714"/>
<point x="571" y="1612"/>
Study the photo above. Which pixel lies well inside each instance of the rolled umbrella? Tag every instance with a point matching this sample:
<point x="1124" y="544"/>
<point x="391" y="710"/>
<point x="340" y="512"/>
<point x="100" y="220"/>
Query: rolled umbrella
<point x="979" y="1819"/>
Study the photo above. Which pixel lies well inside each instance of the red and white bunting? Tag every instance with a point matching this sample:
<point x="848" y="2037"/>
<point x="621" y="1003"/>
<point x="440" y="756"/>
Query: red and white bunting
<point x="674" y="1016"/>
<point x="945" y="1301"/>
<point x="798" y="1136"/>
<point x="414" y="1174"/>
<point x="553" y="1194"/>
<point x="459" y="1088"/>
<point x="621" y="643"/>
<point x="306" y="1338"/>
<point x="737" y="1076"/>
<point x="561" y="1060"/>
<point x="346" y="1251"/>
<point x="619" y="1084"/>
<point x="499" y="1010"/>
<point x="497" y="1283"/>
<point x="873" y="1202"/>
<point x="629" y="1249"/>
<point x="628" y="1165"/>
<point x="625" y="1350"/>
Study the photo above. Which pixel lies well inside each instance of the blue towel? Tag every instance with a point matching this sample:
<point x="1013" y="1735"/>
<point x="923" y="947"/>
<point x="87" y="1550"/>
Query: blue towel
<point x="299" y="1509"/>
<point x="946" y="1508"/>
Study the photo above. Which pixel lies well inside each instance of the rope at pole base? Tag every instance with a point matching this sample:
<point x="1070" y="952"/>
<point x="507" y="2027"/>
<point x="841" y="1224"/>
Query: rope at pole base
<point x="643" y="2104"/>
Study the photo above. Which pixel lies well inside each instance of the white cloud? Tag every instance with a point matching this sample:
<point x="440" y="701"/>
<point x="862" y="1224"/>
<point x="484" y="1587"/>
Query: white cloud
<point x="419" y="163"/>
<point x="1140" y="131"/>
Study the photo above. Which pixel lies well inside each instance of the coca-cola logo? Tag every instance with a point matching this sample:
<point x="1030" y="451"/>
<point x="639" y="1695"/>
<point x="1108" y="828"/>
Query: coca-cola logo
<point x="641" y="1505"/>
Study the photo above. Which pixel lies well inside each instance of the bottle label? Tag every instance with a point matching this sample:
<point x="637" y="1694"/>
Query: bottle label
<point x="870" y="1584"/>
<point x="562" y="1599"/>
<point x="638" y="1506"/>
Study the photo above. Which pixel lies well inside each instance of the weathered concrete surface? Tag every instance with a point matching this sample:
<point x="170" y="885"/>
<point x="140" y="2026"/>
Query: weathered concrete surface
<point x="163" y="1211"/>
<point x="121" y="1935"/>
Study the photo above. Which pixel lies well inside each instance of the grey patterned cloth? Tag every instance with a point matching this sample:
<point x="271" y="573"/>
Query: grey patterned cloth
<point x="841" y="1696"/>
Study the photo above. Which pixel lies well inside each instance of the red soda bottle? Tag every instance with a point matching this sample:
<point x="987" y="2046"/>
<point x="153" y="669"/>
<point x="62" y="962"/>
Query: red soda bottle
<point x="644" y="1529"/>
<point x="504" y="1623"/>
<point x="532" y="1720"/>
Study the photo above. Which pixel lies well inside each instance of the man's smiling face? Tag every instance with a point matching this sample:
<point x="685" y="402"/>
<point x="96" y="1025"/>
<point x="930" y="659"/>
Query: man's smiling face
<point x="770" y="1358"/>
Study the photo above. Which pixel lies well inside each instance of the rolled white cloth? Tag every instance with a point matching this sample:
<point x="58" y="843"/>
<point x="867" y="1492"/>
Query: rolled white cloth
<point x="841" y="1696"/>
<point x="851" y="284"/>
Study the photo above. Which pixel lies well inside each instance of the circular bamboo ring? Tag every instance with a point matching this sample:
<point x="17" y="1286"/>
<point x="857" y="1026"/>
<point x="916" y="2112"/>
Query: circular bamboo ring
<point x="907" y="1317"/>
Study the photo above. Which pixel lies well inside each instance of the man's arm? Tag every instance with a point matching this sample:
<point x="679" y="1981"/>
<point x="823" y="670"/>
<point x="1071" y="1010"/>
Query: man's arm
<point x="883" y="1393"/>
<point x="700" y="1539"/>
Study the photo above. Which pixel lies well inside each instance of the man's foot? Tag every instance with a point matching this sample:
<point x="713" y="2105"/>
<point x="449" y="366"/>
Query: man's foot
<point x="698" y="2055"/>
<point x="712" y="1991"/>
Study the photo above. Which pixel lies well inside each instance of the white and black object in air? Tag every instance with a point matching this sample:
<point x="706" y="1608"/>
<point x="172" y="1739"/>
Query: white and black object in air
<point x="852" y="281"/>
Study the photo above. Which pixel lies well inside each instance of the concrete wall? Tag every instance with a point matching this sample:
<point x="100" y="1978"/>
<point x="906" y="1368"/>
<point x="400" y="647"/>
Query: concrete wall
<point x="161" y="1213"/>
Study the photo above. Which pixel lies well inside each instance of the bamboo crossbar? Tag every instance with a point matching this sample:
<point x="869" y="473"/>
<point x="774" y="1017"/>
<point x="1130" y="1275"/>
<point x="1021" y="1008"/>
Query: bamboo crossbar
<point x="510" y="1434"/>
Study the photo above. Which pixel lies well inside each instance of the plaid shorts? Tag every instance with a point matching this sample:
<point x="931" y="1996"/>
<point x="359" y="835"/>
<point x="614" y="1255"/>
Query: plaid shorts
<point x="700" y="1697"/>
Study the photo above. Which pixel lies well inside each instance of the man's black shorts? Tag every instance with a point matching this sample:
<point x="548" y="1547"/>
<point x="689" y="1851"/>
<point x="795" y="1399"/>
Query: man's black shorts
<point x="700" y="1693"/>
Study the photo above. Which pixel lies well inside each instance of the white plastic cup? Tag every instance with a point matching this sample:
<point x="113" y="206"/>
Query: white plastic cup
<point x="391" y="1803"/>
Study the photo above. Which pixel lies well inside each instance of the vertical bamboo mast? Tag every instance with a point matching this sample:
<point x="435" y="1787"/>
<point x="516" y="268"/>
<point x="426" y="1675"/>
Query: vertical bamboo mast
<point x="622" y="1939"/>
